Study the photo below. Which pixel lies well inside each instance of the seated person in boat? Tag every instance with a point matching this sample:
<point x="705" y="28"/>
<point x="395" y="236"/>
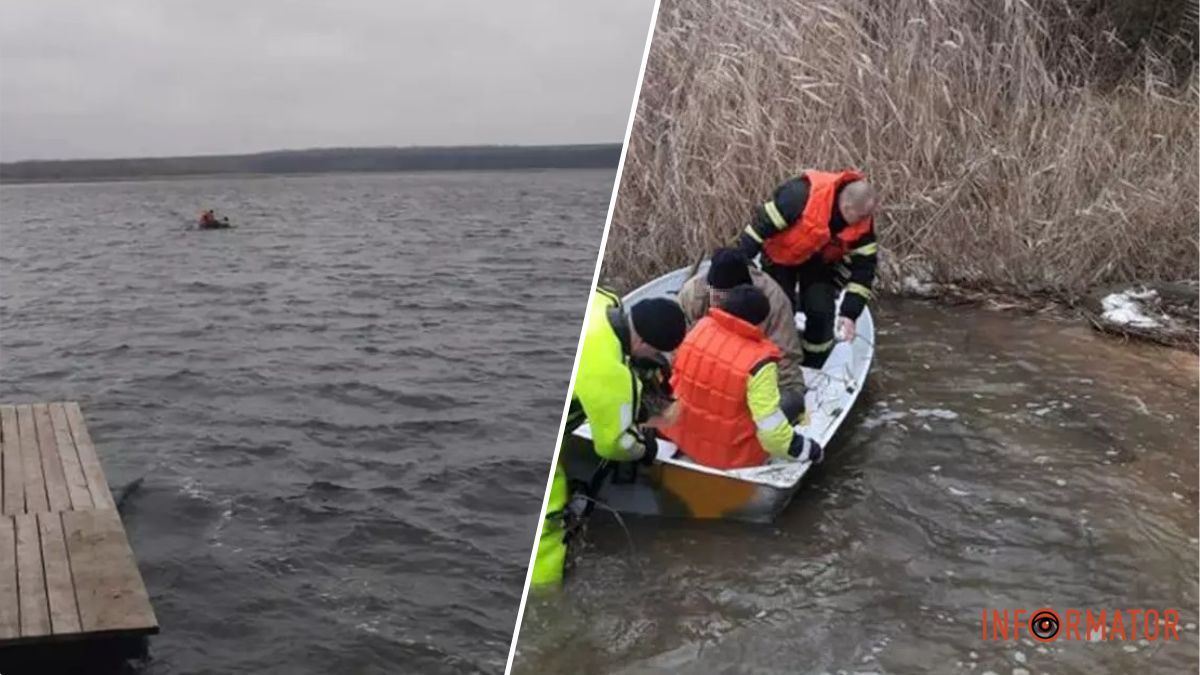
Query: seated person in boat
<point x="208" y="219"/>
<point x="730" y="268"/>
<point x="817" y="235"/>
<point x="606" y="394"/>
<point x="726" y="379"/>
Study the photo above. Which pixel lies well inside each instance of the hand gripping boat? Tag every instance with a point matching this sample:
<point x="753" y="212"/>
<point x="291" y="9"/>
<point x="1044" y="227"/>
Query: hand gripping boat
<point x="675" y="486"/>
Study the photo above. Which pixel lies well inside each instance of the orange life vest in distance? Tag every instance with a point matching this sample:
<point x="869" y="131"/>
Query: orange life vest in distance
<point x="709" y="377"/>
<point x="809" y="234"/>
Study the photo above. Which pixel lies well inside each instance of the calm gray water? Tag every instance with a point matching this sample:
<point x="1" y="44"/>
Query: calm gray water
<point x="998" y="461"/>
<point x="343" y="410"/>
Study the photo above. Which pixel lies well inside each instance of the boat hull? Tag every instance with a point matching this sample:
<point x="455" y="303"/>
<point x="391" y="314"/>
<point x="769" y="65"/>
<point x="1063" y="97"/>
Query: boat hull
<point x="672" y="491"/>
<point x="675" y="486"/>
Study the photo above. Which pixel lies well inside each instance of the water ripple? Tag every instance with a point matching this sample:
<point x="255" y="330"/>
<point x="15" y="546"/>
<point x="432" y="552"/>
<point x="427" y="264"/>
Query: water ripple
<point x="330" y="405"/>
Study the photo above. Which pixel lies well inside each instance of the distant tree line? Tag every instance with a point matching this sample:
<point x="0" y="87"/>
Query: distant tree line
<point x="330" y="160"/>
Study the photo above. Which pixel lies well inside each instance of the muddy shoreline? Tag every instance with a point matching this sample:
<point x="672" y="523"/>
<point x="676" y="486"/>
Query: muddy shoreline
<point x="1174" y="305"/>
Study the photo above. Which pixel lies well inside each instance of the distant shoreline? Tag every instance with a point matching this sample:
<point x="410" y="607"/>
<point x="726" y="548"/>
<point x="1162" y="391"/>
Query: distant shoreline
<point x="309" y="174"/>
<point x="314" y="163"/>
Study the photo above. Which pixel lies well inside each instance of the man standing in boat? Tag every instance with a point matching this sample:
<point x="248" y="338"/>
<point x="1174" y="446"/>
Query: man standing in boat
<point x="730" y="410"/>
<point x="607" y="395"/>
<point x="817" y="234"/>
<point x="729" y="269"/>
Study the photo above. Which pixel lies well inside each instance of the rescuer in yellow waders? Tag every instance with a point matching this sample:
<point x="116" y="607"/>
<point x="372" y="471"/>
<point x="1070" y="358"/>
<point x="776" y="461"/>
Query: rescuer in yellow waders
<point x="607" y="396"/>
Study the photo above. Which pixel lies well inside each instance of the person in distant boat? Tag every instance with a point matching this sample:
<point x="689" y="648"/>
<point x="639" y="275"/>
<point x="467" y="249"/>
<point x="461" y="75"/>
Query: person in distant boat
<point x="607" y="395"/>
<point x="728" y="269"/>
<point x="725" y="377"/>
<point x="817" y="234"/>
<point x="209" y="221"/>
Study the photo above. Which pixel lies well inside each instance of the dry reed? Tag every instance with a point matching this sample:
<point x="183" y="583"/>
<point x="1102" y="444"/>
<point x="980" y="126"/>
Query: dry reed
<point x="1003" y="160"/>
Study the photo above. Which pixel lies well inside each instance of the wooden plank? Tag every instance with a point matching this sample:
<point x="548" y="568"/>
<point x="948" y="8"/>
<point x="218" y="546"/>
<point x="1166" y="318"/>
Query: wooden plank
<point x="77" y="487"/>
<point x="60" y="589"/>
<point x="10" y="618"/>
<point x="108" y="585"/>
<point x="31" y="460"/>
<point x="31" y="582"/>
<point x="10" y="457"/>
<point x="52" y="466"/>
<point x="97" y="483"/>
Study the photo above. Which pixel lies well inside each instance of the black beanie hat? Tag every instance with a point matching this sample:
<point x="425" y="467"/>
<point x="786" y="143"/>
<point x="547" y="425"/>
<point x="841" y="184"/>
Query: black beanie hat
<point x="748" y="304"/>
<point x="728" y="269"/>
<point x="660" y="322"/>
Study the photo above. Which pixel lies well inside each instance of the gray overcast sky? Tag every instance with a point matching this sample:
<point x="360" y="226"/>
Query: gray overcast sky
<point x="92" y="78"/>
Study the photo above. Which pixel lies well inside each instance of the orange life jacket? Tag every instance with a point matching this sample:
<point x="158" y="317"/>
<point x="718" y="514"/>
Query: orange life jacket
<point x="709" y="377"/>
<point x="809" y="234"/>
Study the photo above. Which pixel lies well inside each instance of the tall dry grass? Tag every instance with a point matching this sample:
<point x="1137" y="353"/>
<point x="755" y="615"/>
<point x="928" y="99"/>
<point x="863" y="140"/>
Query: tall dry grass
<point x="1008" y="156"/>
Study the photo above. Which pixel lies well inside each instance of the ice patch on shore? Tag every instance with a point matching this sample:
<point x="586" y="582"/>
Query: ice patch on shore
<point x="1127" y="309"/>
<point x="912" y="284"/>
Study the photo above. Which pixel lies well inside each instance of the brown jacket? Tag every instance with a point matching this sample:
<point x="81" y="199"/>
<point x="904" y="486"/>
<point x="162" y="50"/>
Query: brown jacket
<point x="781" y="322"/>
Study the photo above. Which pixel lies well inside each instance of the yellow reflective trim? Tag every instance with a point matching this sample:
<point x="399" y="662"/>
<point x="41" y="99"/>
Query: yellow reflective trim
<point x="816" y="348"/>
<point x="627" y="442"/>
<point x="774" y="214"/>
<point x="625" y="415"/>
<point x="870" y="249"/>
<point x="753" y="235"/>
<point x="762" y="397"/>
<point x="771" y="421"/>
<point x="858" y="289"/>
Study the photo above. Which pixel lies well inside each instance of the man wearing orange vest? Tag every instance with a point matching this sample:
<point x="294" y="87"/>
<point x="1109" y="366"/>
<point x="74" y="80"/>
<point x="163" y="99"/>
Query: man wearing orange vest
<point x="726" y="381"/>
<point x="815" y="234"/>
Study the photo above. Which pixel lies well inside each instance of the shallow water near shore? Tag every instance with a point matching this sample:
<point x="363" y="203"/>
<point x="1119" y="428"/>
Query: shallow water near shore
<point x="996" y="461"/>
<point x="342" y="412"/>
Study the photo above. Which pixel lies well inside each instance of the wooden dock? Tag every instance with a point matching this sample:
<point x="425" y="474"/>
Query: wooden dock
<point x="66" y="569"/>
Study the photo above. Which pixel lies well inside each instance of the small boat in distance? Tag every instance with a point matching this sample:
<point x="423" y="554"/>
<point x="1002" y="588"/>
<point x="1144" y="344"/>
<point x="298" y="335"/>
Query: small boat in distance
<point x="209" y="221"/>
<point x="675" y="486"/>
